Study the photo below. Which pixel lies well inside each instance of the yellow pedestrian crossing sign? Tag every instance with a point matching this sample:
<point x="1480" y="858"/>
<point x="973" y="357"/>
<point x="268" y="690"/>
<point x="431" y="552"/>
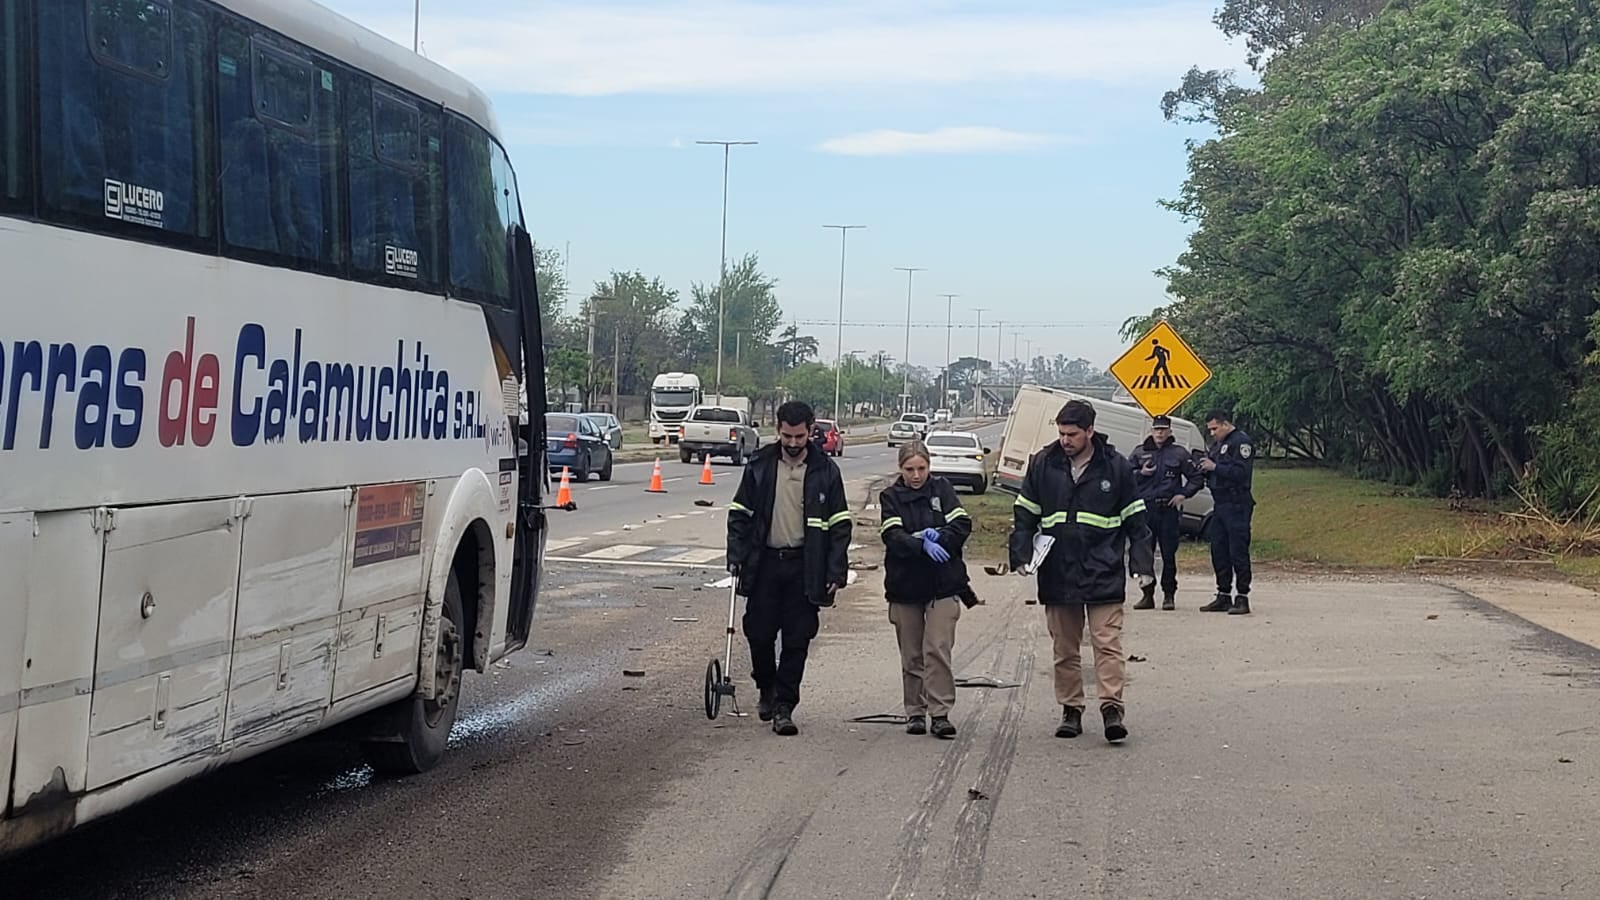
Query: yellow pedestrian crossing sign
<point x="1160" y="371"/>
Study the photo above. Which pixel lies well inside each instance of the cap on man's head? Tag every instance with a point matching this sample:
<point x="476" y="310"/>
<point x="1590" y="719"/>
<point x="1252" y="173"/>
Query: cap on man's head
<point x="1161" y="422"/>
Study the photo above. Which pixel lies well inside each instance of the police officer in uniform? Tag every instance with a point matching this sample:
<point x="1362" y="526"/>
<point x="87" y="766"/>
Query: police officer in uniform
<point x="1229" y="466"/>
<point x="1165" y="475"/>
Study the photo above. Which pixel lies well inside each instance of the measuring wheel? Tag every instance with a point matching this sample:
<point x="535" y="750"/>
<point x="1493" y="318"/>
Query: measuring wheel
<point x="718" y="685"/>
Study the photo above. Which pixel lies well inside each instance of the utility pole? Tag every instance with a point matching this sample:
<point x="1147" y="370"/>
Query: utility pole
<point x="722" y="278"/>
<point x="905" y="387"/>
<point x="949" y="306"/>
<point x="838" y="360"/>
<point x="416" y="25"/>
<point x="616" y="362"/>
<point x="977" y="368"/>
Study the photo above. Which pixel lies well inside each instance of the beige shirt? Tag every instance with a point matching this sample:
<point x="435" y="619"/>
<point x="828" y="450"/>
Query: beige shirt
<point x="789" y="506"/>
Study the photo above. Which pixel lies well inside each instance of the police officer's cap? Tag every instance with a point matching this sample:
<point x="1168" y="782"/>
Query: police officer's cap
<point x="1161" y="422"/>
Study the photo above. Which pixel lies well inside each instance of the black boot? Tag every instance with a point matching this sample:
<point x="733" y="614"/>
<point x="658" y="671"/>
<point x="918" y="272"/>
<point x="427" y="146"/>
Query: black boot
<point x="1167" y="601"/>
<point x="764" y="705"/>
<point x="942" y="728"/>
<point x="1115" y="730"/>
<point x="1071" y="722"/>
<point x="1147" y="598"/>
<point x="1223" y="603"/>
<point x="1241" y="605"/>
<point x="916" y="725"/>
<point x="783" y="723"/>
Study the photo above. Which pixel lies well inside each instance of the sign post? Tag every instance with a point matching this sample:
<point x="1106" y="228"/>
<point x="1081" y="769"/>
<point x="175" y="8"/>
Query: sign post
<point x="1160" y="371"/>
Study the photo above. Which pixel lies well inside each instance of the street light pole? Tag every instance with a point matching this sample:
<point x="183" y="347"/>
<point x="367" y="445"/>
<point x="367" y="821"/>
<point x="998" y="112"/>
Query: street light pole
<point x="905" y="387"/>
<point x="722" y="277"/>
<point x="977" y="370"/>
<point x="838" y="357"/>
<point x="416" y="25"/>
<point x="949" y="306"/>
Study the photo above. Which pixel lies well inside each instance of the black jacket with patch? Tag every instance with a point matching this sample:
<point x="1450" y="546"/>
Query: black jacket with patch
<point x="828" y="522"/>
<point x="909" y="576"/>
<point x="1095" y="522"/>
<point x="1175" y="471"/>
<point x="1231" y="481"/>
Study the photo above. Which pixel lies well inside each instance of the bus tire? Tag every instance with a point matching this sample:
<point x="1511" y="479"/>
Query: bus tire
<point x="419" y="728"/>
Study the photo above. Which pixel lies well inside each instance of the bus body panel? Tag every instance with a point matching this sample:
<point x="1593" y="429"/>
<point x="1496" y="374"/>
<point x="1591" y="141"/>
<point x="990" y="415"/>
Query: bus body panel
<point x="16" y="540"/>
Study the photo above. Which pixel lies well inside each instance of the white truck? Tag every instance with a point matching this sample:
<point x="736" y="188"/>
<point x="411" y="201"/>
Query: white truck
<point x="718" y="431"/>
<point x="672" y="396"/>
<point x="1032" y="426"/>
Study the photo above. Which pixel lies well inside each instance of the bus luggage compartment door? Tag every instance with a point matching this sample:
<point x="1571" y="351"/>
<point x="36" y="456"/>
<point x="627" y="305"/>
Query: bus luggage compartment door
<point x="167" y="606"/>
<point x="16" y="538"/>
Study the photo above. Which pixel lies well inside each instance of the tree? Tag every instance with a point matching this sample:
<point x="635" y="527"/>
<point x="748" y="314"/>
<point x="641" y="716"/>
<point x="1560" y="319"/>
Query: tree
<point x="1397" y="252"/>
<point x="750" y="314"/>
<point x="550" y="279"/>
<point x="632" y="320"/>
<point x="792" y="348"/>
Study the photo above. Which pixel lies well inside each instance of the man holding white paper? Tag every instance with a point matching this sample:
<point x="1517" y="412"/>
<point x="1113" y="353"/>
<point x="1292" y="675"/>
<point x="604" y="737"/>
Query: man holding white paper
<point x="1079" y="492"/>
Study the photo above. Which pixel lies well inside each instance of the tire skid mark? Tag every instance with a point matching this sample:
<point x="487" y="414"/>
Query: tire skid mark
<point x="914" y="834"/>
<point x="964" y="872"/>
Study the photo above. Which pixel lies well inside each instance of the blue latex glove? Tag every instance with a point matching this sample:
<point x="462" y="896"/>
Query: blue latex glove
<point x="930" y="546"/>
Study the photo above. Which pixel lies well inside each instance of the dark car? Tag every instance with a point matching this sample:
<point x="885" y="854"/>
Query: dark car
<point x="576" y="442"/>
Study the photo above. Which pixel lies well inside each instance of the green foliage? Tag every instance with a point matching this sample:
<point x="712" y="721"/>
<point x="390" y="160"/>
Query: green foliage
<point x="1398" y="243"/>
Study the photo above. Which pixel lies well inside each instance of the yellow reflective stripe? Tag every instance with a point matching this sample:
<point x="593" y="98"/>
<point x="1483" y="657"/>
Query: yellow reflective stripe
<point x="1028" y="505"/>
<point x="955" y="514"/>
<point x="816" y="523"/>
<point x="736" y="506"/>
<point x="1136" y="506"/>
<point x="838" y="517"/>
<point x="1086" y="518"/>
<point x="891" y="523"/>
<point x="1053" y="520"/>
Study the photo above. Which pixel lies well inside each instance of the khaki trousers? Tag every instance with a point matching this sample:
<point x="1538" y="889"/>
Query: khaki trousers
<point x="1105" y="632"/>
<point x="927" y="636"/>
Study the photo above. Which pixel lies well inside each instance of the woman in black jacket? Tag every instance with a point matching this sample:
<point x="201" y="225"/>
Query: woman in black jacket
<point x="925" y="580"/>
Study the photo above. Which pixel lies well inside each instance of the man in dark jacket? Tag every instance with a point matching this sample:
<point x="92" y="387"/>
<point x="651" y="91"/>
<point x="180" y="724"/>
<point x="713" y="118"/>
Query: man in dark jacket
<point x="1165" y="475"/>
<point x="788" y="541"/>
<point x="1230" y="468"/>
<point x="1080" y="492"/>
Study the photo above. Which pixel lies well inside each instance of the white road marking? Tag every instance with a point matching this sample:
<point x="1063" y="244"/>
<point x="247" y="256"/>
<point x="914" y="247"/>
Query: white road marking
<point x="603" y="487"/>
<point x="617" y="551"/>
<point x="564" y="543"/>
<point x="640" y="563"/>
<point x="604" y="533"/>
<point x="700" y="555"/>
<point x="676" y="516"/>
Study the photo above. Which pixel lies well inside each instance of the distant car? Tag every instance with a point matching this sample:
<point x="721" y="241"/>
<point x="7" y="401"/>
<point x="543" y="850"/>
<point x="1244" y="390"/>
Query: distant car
<point x="960" y="458"/>
<point x="902" y="432"/>
<point x="609" y="427"/>
<point x="831" y="436"/>
<point x="941" y="415"/>
<point x="919" y="421"/>
<point x="575" y="442"/>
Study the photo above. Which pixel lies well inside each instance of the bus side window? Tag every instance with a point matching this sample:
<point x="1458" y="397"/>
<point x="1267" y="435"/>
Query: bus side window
<point x="479" y="264"/>
<point x="394" y="157"/>
<point x="277" y="111"/>
<point x="122" y="116"/>
<point x="16" y="169"/>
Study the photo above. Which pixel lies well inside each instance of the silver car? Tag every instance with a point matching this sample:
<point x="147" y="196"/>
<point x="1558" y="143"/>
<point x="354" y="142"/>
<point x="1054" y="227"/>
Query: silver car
<point x="960" y="458"/>
<point x="903" y="432"/>
<point x="610" y="428"/>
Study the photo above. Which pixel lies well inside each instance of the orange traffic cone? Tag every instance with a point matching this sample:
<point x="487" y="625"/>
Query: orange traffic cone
<point x="655" y="480"/>
<point x="564" y="493"/>
<point x="705" y="473"/>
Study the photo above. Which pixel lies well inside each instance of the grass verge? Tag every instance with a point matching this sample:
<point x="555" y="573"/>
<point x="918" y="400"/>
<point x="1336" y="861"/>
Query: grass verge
<point x="1320" y="517"/>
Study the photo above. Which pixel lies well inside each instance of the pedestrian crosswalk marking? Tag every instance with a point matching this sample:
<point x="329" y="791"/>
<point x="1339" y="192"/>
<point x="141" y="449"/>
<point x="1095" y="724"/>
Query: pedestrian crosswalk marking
<point x="703" y="555"/>
<point x="617" y="551"/>
<point x="562" y="544"/>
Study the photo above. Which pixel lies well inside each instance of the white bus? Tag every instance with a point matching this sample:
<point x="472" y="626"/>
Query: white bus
<point x="268" y="302"/>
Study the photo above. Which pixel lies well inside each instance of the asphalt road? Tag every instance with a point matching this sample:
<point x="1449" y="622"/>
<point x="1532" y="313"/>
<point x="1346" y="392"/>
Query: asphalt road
<point x="1353" y="738"/>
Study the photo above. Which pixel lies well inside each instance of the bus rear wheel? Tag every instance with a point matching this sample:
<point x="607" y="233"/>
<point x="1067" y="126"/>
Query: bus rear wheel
<point x="417" y="729"/>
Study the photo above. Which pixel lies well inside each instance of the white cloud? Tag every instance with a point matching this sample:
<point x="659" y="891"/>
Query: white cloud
<point x="759" y="46"/>
<point x="964" y="139"/>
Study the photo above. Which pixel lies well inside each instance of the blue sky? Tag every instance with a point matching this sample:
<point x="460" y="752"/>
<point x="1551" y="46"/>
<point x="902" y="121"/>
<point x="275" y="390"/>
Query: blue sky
<point x="1013" y="148"/>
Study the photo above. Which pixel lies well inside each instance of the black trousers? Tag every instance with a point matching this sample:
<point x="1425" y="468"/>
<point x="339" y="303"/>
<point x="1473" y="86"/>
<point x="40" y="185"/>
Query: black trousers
<point x="1230" y="546"/>
<point x="777" y="612"/>
<point x="1164" y="535"/>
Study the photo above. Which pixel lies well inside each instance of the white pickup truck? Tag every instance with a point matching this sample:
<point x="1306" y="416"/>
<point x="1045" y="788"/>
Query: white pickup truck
<point x="718" y="431"/>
